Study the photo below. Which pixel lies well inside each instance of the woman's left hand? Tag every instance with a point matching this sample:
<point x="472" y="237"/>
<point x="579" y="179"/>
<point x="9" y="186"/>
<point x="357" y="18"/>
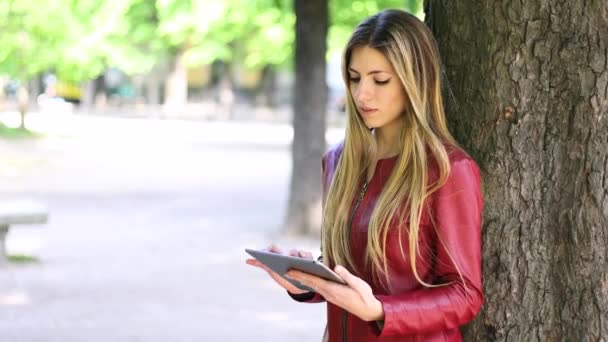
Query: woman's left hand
<point x="356" y="297"/>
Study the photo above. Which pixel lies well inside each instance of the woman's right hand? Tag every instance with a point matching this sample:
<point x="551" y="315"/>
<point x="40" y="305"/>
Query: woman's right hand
<point x="277" y="278"/>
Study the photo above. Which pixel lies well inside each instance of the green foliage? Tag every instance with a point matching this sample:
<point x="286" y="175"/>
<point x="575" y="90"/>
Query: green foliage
<point x="346" y="14"/>
<point x="23" y="259"/>
<point x="254" y="32"/>
<point x="78" y="39"/>
<point x="26" y="39"/>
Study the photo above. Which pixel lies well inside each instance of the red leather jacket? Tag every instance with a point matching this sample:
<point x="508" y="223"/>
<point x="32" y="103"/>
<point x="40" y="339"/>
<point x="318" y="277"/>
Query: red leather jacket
<point x="412" y="311"/>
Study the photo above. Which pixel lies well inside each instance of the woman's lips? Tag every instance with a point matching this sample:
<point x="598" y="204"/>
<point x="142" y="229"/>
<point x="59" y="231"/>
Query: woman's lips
<point x="367" y="111"/>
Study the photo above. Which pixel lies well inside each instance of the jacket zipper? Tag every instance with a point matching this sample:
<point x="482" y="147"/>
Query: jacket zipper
<point x="359" y="199"/>
<point x="352" y="217"/>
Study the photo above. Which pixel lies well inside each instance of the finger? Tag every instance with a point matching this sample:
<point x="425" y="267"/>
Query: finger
<point x="274" y="249"/>
<point x="305" y="254"/>
<point x="256" y="263"/>
<point x="294" y="252"/>
<point x="276" y="277"/>
<point x="353" y="281"/>
<point x="293" y="273"/>
<point x="262" y="266"/>
<point x="307" y="279"/>
<point x="281" y="281"/>
<point x="253" y="262"/>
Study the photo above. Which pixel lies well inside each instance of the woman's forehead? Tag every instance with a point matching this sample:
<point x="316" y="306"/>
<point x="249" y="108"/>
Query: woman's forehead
<point x="365" y="59"/>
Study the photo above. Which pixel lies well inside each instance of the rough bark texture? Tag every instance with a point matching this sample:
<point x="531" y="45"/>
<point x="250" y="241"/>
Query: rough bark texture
<point x="310" y="102"/>
<point x="530" y="103"/>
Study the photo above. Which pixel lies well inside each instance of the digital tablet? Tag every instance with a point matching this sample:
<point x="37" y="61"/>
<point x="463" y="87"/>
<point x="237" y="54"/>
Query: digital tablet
<point x="282" y="263"/>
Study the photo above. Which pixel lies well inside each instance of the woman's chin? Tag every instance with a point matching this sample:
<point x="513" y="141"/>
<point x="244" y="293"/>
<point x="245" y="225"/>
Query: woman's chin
<point x="371" y="124"/>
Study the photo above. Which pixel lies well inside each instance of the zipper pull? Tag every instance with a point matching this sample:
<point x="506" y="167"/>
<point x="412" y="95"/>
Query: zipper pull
<point x="363" y="190"/>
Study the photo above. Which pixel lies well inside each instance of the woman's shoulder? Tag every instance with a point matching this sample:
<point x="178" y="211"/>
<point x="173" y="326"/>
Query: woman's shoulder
<point x="456" y="155"/>
<point x="459" y="160"/>
<point x="331" y="157"/>
<point x="333" y="152"/>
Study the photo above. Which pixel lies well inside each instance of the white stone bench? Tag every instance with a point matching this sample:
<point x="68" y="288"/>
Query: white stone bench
<point x="14" y="212"/>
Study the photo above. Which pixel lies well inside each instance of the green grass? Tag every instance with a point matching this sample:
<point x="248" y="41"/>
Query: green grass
<point x="17" y="133"/>
<point x="23" y="259"/>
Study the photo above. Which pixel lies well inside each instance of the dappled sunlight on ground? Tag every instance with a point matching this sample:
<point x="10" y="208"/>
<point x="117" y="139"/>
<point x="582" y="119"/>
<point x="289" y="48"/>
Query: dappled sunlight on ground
<point x="14" y="298"/>
<point x="152" y="217"/>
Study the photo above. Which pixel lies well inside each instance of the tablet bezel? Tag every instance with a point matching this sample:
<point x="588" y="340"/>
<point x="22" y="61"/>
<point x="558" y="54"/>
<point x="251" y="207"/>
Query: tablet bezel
<point x="281" y="263"/>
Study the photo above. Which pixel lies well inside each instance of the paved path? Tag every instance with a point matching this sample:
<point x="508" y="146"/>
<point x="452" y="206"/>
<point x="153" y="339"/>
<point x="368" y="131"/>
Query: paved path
<point x="146" y="235"/>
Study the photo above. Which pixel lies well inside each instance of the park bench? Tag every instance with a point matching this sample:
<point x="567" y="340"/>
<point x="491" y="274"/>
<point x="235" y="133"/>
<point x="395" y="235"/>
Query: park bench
<point x="18" y="212"/>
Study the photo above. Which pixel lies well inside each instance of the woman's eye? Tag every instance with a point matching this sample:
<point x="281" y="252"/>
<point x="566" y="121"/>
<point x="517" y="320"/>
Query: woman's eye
<point x="354" y="79"/>
<point x="382" y="82"/>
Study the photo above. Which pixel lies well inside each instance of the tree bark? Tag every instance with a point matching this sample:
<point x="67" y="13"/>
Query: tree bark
<point x="309" y="106"/>
<point x="529" y="101"/>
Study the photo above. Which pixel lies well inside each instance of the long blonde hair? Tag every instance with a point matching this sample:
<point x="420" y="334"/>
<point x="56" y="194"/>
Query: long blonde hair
<point x="412" y="51"/>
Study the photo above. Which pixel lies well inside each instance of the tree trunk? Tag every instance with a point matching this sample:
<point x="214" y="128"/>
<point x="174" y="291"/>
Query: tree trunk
<point x="176" y="89"/>
<point x="2" y="93"/>
<point x="91" y="89"/>
<point x="22" y="103"/>
<point x="309" y="106"/>
<point x="226" y="96"/>
<point x="154" y="82"/>
<point x="268" y="87"/>
<point x="531" y="83"/>
<point x="153" y="87"/>
<point x="100" y="94"/>
<point x="35" y="88"/>
<point x="88" y="95"/>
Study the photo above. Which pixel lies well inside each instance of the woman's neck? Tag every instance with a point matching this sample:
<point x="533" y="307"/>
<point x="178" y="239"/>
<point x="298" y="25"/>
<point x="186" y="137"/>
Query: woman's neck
<point x="387" y="140"/>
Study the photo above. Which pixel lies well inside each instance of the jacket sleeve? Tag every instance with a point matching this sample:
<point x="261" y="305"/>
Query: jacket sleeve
<point x="313" y="297"/>
<point x="457" y="209"/>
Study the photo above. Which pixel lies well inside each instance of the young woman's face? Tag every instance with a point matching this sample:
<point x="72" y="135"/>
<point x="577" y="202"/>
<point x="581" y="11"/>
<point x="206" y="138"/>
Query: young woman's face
<point x="375" y="87"/>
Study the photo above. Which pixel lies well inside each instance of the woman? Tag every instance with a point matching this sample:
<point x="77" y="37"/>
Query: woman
<point x="402" y="202"/>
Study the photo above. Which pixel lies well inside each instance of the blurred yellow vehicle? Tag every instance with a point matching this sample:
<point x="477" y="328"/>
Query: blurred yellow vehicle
<point x="68" y="91"/>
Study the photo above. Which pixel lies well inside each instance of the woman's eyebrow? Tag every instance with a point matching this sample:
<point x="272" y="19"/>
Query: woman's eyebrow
<point x="369" y="73"/>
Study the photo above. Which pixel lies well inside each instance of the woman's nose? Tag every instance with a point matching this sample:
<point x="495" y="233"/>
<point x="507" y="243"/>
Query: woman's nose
<point x="364" y="92"/>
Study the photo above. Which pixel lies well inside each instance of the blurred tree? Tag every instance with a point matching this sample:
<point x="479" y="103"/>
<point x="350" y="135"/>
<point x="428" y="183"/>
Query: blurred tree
<point x="101" y="36"/>
<point x="80" y="39"/>
<point x="255" y="33"/>
<point x="27" y="42"/>
<point x="346" y="14"/>
<point x="531" y="79"/>
<point x="96" y="34"/>
<point x="75" y="39"/>
<point x="415" y="7"/>
<point x="143" y="20"/>
<point x="27" y="45"/>
<point x="309" y="105"/>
